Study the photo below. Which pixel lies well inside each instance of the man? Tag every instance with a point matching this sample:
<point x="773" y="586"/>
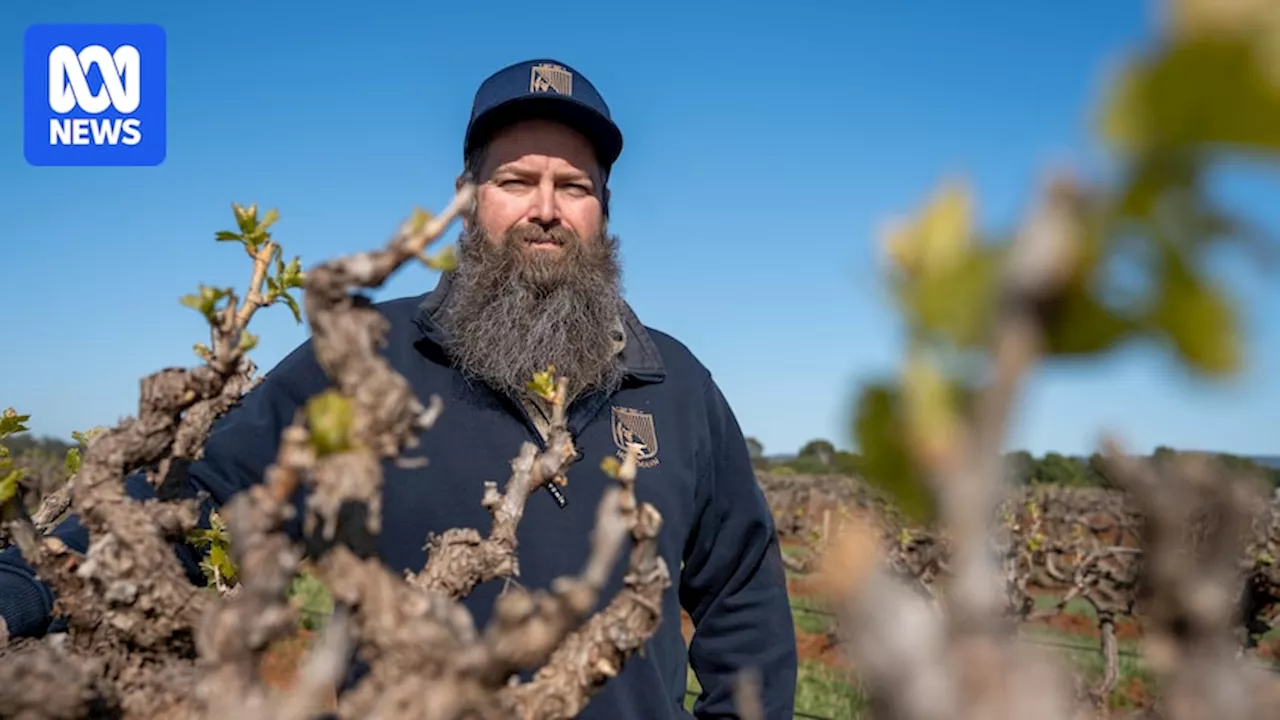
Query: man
<point x="538" y="283"/>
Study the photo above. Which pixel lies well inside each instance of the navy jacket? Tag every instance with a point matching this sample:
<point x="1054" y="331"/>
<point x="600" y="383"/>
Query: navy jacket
<point x="717" y="537"/>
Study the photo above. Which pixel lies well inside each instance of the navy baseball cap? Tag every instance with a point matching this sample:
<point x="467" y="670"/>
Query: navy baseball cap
<point x="543" y="88"/>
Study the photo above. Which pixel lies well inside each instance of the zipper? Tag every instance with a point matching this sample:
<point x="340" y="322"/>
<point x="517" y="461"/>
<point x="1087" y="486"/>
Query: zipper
<point x="554" y="490"/>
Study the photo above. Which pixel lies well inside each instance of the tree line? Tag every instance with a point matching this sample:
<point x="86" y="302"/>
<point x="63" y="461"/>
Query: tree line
<point x="822" y="457"/>
<point x="43" y="457"/>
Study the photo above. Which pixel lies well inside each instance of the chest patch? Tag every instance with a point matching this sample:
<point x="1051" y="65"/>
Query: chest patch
<point x="631" y="426"/>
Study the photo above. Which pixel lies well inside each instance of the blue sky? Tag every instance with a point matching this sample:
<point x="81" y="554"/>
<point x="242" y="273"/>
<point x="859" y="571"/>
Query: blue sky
<point x="765" y="143"/>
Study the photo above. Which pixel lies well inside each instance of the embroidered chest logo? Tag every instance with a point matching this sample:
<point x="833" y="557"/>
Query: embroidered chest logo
<point x="635" y="426"/>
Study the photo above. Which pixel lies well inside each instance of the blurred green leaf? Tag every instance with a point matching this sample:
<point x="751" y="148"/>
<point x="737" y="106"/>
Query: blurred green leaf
<point x="1198" y="319"/>
<point x="329" y="418"/>
<point x="938" y="237"/>
<point x="1080" y="325"/>
<point x="228" y="236"/>
<point x="220" y="558"/>
<point x="312" y="599"/>
<point x="9" y="484"/>
<point x="443" y="261"/>
<point x="73" y="460"/>
<point x="206" y="302"/>
<point x="930" y="409"/>
<point x="880" y="433"/>
<point x="611" y="467"/>
<point x="1155" y="176"/>
<point x="418" y="220"/>
<point x="544" y="383"/>
<point x="959" y="302"/>
<point x="11" y="422"/>
<point x="1207" y="91"/>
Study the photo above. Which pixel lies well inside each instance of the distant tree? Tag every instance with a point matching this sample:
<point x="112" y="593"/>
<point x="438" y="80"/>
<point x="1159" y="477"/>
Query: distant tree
<point x="1164" y="454"/>
<point x="1056" y="468"/>
<point x="1020" y="466"/>
<point x="755" y="448"/>
<point x="846" y="463"/>
<point x="1243" y="464"/>
<point x="820" y="451"/>
<point x="1096" y="471"/>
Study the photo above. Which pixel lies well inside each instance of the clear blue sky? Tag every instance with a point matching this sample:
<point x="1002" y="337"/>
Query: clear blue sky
<point x="765" y="142"/>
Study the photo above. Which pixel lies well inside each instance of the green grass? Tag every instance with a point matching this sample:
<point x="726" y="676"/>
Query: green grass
<point x="820" y="690"/>
<point x="1085" y="657"/>
<point x="810" y="622"/>
<point x="794" y="550"/>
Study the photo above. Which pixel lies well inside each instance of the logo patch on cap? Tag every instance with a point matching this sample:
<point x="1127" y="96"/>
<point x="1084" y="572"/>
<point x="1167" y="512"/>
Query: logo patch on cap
<point x="550" y="78"/>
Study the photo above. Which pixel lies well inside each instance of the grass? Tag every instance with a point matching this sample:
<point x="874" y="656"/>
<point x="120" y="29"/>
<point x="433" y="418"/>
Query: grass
<point x="809" y="615"/>
<point x="821" y="691"/>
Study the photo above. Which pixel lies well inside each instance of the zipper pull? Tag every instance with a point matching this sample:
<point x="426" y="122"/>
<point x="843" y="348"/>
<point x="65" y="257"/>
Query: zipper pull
<point x="557" y="494"/>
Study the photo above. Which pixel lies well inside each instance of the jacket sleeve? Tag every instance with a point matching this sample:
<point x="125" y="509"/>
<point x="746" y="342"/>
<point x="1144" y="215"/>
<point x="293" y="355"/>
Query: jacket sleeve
<point x="733" y="584"/>
<point x="241" y="445"/>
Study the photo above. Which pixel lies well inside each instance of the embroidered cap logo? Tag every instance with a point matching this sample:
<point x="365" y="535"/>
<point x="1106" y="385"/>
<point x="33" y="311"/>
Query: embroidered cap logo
<point x="548" y="77"/>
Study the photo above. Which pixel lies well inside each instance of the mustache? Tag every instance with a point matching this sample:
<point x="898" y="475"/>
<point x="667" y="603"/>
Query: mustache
<point x="558" y="235"/>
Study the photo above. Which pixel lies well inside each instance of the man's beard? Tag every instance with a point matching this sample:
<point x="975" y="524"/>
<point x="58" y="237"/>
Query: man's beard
<point x="513" y="310"/>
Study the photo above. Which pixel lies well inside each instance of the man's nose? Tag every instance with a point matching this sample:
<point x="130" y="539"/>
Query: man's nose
<point x="544" y="211"/>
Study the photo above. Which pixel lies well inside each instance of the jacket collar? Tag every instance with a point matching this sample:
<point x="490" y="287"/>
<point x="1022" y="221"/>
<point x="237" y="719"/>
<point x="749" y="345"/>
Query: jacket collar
<point x="640" y="357"/>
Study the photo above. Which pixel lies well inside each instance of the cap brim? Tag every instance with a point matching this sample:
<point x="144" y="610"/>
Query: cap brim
<point x="599" y="130"/>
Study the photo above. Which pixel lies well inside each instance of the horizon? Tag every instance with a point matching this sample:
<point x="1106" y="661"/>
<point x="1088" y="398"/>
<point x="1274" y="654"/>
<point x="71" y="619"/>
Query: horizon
<point x="747" y="197"/>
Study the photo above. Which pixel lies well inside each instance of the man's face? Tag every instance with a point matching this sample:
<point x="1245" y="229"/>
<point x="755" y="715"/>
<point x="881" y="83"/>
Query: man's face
<point x="540" y="192"/>
<point x="538" y="281"/>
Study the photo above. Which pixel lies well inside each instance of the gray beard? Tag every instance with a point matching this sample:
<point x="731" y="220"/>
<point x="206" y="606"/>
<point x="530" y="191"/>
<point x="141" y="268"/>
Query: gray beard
<point x="511" y="312"/>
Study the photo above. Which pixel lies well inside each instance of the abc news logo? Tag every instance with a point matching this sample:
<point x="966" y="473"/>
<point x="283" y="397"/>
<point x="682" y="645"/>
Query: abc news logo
<point x="94" y="94"/>
<point x="69" y="89"/>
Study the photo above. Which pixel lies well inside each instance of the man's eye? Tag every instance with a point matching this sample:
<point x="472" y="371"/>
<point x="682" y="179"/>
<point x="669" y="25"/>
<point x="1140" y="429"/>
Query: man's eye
<point x="578" y="189"/>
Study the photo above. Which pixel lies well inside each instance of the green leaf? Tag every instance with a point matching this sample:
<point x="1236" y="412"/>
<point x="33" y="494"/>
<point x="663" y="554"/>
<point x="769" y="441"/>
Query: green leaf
<point x="293" y="306"/>
<point x="246" y="217"/>
<point x="312" y="599"/>
<point x="1080" y="325"/>
<point x="1156" y="176"/>
<point x="444" y="261"/>
<point x="228" y="236"/>
<point x="291" y="275"/>
<point x="11" y="422"/>
<point x="220" y="558"/>
<point x="269" y="219"/>
<point x="958" y="303"/>
<point x="1198" y="319"/>
<point x="329" y="418"/>
<point x="9" y="485"/>
<point x="938" y="237"/>
<point x="930" y="408"/>
<point x="73" y="460"/>
<point x="206" y="302"/>
<point x="418" y="220"/>
<point x="543" y="383"/>
<point x="1211" y="90"/>
<point x="880" y="433"/>
<point x="611" y="467"/>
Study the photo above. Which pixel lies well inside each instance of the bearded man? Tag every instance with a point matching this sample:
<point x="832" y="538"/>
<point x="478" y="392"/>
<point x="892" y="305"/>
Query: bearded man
<point x="538" y="283"/>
